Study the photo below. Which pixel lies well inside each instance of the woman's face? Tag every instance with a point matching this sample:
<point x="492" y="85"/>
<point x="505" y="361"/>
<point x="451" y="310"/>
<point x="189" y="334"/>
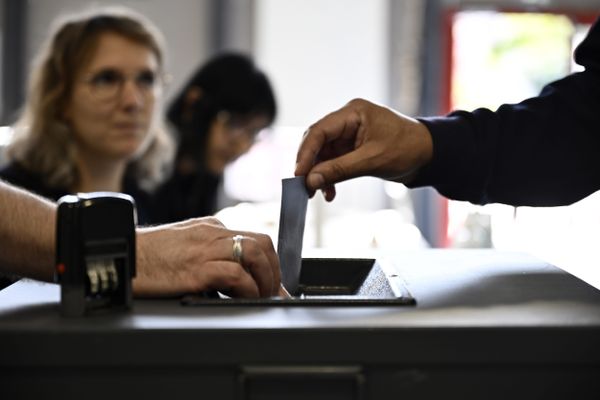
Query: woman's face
<point x="230" y="137"/>
<point x="112" y="104"/>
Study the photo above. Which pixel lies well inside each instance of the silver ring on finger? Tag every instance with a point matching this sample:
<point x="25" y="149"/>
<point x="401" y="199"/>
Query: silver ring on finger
<point x="238" y="251"/>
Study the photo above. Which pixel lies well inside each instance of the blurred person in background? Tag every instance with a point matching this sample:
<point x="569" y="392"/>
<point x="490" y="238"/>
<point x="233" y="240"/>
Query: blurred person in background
<point x="91" y="121"/>
<point x="216" y="116"/>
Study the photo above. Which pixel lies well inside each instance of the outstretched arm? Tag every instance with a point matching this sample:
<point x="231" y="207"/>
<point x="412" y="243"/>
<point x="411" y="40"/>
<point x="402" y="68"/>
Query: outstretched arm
<point x="540" y="152"/>
<point x="185" y="257"/>
<point x="27" y="234"/>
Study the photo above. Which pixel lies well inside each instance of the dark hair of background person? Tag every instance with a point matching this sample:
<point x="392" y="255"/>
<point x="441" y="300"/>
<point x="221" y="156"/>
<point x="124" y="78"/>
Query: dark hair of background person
<point x="231" y="83"/>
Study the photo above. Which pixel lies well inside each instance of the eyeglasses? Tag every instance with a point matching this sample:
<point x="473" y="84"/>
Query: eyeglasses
<point x="240" y="126"/>
<point x="107" y="85"/>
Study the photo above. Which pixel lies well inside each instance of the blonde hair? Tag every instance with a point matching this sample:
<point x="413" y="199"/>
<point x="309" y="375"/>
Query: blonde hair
<point x="42" y="139"/>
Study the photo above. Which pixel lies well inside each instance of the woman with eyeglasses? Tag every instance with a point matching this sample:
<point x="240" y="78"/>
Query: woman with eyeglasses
<point x="90" y="122"/>
<point x="217" y="117"/>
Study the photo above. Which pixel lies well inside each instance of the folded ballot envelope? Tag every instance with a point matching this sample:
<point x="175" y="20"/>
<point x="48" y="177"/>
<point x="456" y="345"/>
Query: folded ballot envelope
<point x="292" y="218"/>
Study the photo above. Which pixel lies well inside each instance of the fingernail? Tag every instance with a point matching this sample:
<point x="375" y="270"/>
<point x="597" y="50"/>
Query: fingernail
<point x="316" y="181"/>
<point x="328" y="193"/>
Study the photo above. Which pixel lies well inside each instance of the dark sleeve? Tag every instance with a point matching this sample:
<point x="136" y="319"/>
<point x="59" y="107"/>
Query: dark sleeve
<point x="18" y="175"/>
<point x="544" y="151"/>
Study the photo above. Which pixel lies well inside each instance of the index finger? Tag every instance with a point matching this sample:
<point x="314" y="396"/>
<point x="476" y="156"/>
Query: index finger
<point x="257" y="264"/>
<point x="266" y="245"/>
<point x="333" y="126"/>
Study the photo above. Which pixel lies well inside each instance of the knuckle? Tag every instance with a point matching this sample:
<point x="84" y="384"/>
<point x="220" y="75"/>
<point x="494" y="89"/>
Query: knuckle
<point x="356" y="102"/>
<point x="213" y="221"/>
<point x="339" y="170"/>
<point x="233" y="278"/>
<point x="311" y="128"/>
<point x="264" y="241"/>
<point x="252" y="249"/>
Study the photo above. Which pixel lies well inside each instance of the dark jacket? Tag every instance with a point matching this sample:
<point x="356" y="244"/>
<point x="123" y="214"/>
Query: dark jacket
<point x="184" y="196"/>
<point x="544" y="151"/>
<point x="17" y="175"/>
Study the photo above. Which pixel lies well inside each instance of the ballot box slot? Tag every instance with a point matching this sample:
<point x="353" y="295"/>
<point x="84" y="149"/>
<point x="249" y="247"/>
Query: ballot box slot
<point x="330" y="281"/>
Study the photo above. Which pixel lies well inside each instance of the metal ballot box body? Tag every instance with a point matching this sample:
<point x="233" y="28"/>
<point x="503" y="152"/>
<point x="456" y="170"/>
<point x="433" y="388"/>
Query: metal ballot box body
<point x="486" y="325"/>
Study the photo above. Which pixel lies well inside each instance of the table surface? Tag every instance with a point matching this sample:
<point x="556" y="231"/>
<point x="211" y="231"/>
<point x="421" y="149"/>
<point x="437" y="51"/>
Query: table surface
<point x="471" y="305"/>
